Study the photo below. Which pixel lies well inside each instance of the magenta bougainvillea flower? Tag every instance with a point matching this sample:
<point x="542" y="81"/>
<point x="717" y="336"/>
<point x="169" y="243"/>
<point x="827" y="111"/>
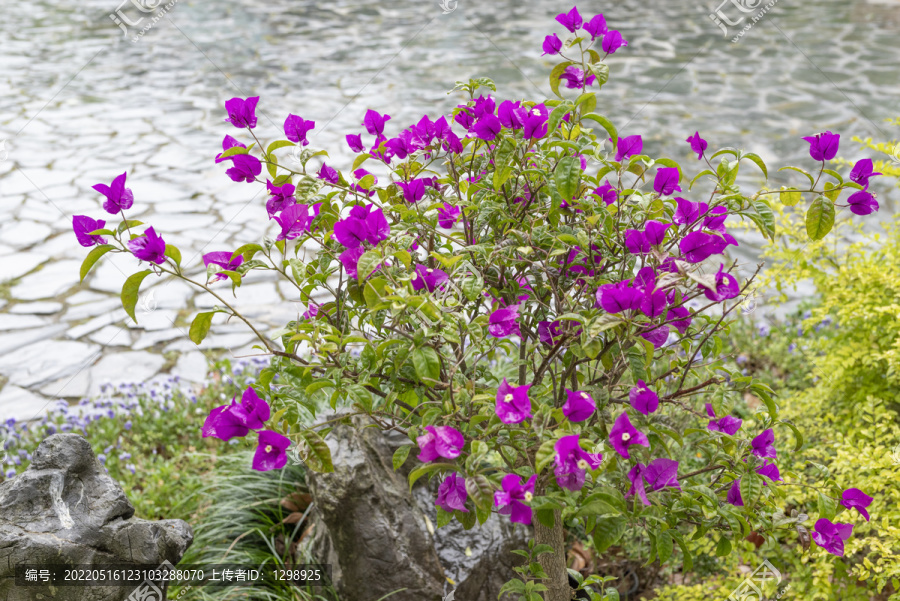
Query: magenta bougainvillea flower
<point x="487" y="128"/>
<point x="596" y="27"/>
<point x="853" y="498"/>
<point x="640" y="242"/>
<point x="824" y="146"/>
<point x="727" y="425"/>
<point x="364" y="224"/>
<point x="579" y="406"/>
<point x="698" y="246"/>
<point x="440" y="441"/>
<point x="770" y="471"/>
<point x="658" y="474"/>
<point x="502" y="322"/>
<point x="296" y="128"/>
<point x="452" y="493"/>
<point x="413" y="190"/>
<point x="615" y="298"/>
<point x="536" y="122"/>
<point x="642" y="399"/>
<point x="428" y="278"/>
<point x="350" y="258"/>
<point x="623" y="435"/>
<point x="354" y="141"/>
<point x="862" y="203"/>
<point x="281" y="197"/>
<point x="612" y="41"/>
<point x="312" y="311"/>
<point x="512" y="115"/>
<point x="575" y="78"/>
<point x="227" y="143"/>
<point x="552" y="45"/>
<point x="687" y="212"/>
<point x="513" y="405"/>
<point x="572" y="462"/>
<point x="222" y="259"/>
<point x="679" y="318"/>
<point x="118" y="197"/>
<point x="244" y="168"/>
<point x="570" y="20"/>
<point x="374" y="122"/>
<point x="628" y="146"/>
<point x="513" y="496"/>
<point x="242" y="113"/>
<point x="236" y="420"/>
<point x="295" y="221"/>
<point x="607" y="193"/>
<point x="831" y="536"/>
<point x="716" y="219"/>
<point x="448" y="215"/>
<point x="862" y="171"/>
<point x="551" y="332"/>
<point x="149" y="247"/>
<point x="764" y="444"/>
<point x="726" y="286"/>
<point x="656" y="336"/>
<point x="83" y="225"/>
<point x="734" y="494"/>
<point x="666" y="181"/>
<point x="329" y="174"/>
<point x="271" y="452"/>
<point x="698" y="144"/>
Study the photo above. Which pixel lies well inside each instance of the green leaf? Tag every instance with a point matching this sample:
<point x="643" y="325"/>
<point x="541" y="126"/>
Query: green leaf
<point x="758" y="161"/>
<point x="568" y="177"/>
<point x="819" y="218"/>
<point x="200" y="326"/>
<point x="400" y="456"/>
<point x="601" y="71"/>
<point x="686" y="557"/>
<point x="812" y="180"/>
<point x="480" y="491"/>
<point x="426" y="469"/>
<point x="797" y="435"/>
<point x="723" y="548"/>
<point x="427" y="365"/>
<point x="751" y="488"/>
<point x="359" y="160"/>
<point x="233" y="151"/>
<point x="93" y="257"/>
<point x="544" y="455"/>
<point x="827" y="507"/>
<point x="790" y="196"/>
<point x="587" y="101"/>
<point x="278" y="144"/>
<point x="472" y="285"/>
<point x="557" y="115"/>
<point x="556" y="73"/>
<point x="605" y="124"/>
<point x="599" y="508"/>
<point x="608" y="531"/>
<point x="173" y="253"/>
<point x="314" y="452"/>
<point x="130" y="291"/>
<point x="767" y="218"/>
<point x="664" y="546"/>
<point x="367" y="264"/>
<point x="547" y="517"/>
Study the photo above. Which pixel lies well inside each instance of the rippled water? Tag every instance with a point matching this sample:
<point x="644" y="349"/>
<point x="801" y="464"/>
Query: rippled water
<point x="84" y="103"/>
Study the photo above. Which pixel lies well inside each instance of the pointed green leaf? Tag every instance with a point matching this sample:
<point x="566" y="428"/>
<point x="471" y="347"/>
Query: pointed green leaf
<point x="400" y="456"/>
<point x="200" y="326"/>
<point x="130" y="291"/>
<point x="93" y="257"/>
<point x="314" y="452"/>
<point x="819" y="218"/>
<point x="427" y="365"/>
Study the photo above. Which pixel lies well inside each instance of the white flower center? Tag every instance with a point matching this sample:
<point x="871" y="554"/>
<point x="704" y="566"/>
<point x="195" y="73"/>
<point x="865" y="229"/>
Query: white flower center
<point x="508" y="398"/>
<point x="582" y="464"/>
<point x="536" y="112"/>
<point x="528" y="496"/>
<point x="585" y="395"/>
<point x="626" y="437"/>
<point x="268" y="448"/>
<point x="429" y="270"/>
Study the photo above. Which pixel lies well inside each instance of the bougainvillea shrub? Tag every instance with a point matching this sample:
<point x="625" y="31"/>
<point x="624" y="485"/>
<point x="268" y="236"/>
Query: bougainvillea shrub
<point x="532" y="299"/>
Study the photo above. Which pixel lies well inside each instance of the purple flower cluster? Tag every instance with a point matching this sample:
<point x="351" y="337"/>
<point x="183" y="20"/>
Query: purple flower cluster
<point x="610" y="39"/>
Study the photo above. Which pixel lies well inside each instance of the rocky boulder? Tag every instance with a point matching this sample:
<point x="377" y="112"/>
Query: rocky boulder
<point x="380" y="538"/>
<point x="66" y="510"/>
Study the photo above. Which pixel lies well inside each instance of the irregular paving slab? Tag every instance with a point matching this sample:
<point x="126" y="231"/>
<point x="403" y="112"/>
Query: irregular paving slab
<point x="50" y="281"/>
<point x="21" y="404"/>
<point x="25" y="262"/>
<point x="64" y="509"/>
<point x="47" y="360"/>
<point x="137" y="366"/>
<point x="37" y="308"/>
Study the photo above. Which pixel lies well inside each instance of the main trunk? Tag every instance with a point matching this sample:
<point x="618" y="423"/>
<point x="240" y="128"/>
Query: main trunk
<point x="554" y="564"/>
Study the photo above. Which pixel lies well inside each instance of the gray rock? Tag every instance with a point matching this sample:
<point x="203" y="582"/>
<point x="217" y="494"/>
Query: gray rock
<point x="65" y="510"/>
<point x="379" y="537"/>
